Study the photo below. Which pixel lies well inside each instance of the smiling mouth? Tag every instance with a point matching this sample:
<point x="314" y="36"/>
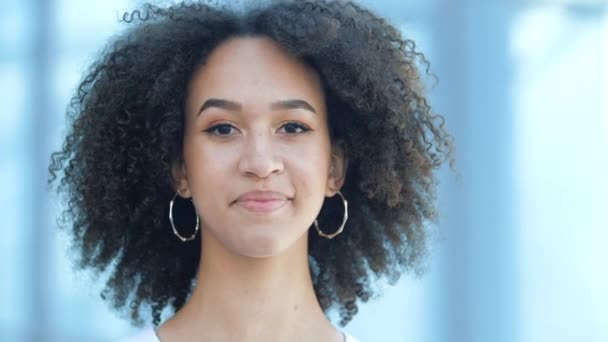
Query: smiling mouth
<point x="262" y="206"/>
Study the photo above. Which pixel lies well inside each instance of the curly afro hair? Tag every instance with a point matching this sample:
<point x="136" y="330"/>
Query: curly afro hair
<point x="126" y="128"/>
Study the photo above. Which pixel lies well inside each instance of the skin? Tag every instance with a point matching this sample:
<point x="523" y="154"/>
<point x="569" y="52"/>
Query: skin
<point x="254" y="282"/>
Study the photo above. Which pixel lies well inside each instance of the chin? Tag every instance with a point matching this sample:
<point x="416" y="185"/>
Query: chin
<point x="264" y="245"/>
<point x="262" y="248"/>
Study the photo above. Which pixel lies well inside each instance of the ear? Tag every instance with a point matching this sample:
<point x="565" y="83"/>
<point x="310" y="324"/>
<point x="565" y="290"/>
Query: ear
<point x="180" y="179"/>
<point x="337" y="169"/>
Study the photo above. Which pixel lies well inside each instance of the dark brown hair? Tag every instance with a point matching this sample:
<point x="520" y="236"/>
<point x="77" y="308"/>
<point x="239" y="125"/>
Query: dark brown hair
<point x="127" y="124"/>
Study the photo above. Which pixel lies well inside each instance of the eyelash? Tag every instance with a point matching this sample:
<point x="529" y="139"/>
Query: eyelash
<point x="213" y="129"/>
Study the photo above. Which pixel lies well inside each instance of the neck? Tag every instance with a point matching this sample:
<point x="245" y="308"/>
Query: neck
<point x="238" y="298"/>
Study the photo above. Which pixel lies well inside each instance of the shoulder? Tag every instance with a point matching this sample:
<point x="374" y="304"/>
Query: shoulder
<point x="148" y="335"/>
<point x="145" y="335"/>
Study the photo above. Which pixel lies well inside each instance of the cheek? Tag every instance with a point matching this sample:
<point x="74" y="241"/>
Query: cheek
<point x="208" y="167"/>
<point x="308" y="167"/>
<point x="309" y="180"/>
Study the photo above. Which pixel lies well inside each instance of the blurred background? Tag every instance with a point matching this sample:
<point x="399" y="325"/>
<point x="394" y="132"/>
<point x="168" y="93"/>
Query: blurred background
<point x="521" y="251"/>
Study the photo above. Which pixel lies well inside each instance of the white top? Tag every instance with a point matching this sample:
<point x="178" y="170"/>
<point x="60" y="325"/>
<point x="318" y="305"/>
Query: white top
<point x="148" y="335"/>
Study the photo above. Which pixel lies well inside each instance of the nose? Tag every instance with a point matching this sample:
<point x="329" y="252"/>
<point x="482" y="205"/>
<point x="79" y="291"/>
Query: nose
<point x="260" y="157"/>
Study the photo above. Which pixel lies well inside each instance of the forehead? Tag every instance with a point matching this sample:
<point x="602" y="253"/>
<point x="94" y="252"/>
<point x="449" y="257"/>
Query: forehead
<point x="254" y="71"/>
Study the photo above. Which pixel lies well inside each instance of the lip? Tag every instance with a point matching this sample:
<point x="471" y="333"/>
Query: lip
<point x="262" y="201"/>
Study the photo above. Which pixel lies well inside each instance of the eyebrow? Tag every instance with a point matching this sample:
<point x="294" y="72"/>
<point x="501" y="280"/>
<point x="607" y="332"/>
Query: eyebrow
<point x="237" y="107"/>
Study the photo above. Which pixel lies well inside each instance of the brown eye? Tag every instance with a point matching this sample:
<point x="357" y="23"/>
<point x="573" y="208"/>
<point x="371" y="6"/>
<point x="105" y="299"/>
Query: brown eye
<point x="295" y="128"/>
<point x="221" y="129"/>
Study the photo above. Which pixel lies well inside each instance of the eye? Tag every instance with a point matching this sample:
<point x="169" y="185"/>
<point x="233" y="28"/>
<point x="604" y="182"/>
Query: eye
<point x="222" y="129"/>
<point x="295" y="128"/>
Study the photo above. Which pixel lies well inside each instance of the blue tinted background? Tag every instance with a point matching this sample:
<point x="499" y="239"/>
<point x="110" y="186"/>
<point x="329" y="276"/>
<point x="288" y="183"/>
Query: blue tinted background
<point x="520" y="253"/>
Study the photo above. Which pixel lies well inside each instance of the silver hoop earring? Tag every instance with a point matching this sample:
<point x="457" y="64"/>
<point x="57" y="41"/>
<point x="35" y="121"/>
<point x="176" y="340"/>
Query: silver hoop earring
<point x="184" y="239"/>
<point x="341" y="228"/>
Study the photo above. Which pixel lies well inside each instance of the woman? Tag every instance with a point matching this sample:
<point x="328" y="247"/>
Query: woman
<point x="249" y="171"/>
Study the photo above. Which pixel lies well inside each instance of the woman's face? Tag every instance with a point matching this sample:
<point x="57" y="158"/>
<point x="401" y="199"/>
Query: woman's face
<point x="257" y="153"/>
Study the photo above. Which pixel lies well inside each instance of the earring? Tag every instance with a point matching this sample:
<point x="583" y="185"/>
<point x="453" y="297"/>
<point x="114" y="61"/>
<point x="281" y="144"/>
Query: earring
<point x="184" y="239"/>
<point x="341" y="228"/>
